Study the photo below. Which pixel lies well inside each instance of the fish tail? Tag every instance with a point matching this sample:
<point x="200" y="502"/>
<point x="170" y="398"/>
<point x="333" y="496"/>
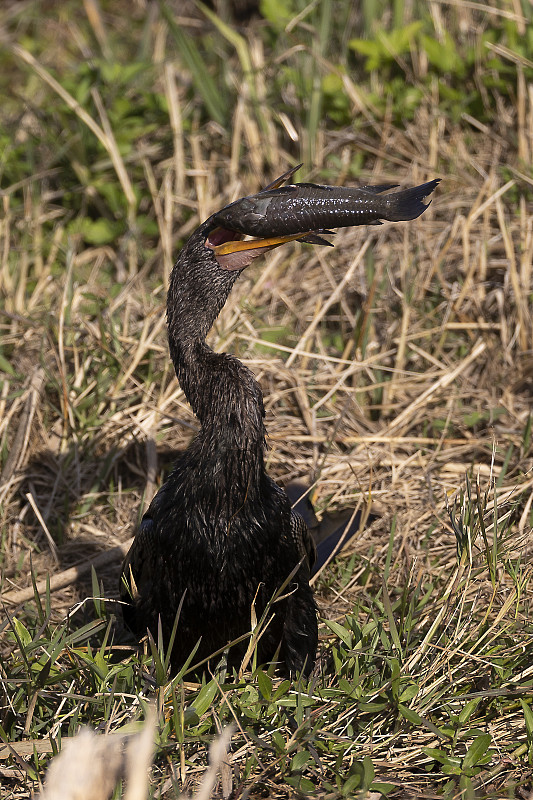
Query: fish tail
<point x="409" y="203"/>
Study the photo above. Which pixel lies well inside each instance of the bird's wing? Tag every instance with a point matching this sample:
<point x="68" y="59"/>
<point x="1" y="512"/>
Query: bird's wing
<point x="298" y="493"/>
<point x="304" y="541"/>
<point x="330" y="534"/>
<point x="333" y="533"/>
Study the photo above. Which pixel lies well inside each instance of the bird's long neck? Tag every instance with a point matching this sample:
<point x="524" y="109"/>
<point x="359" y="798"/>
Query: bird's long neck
<point x="223" y="393"/>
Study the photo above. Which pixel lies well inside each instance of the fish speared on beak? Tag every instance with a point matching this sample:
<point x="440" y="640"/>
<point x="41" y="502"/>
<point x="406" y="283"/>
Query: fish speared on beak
<point x="303" y="211"/>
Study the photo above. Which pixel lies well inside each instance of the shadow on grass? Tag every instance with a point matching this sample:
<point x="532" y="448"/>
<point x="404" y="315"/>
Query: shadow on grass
<point x="74" y="506"/>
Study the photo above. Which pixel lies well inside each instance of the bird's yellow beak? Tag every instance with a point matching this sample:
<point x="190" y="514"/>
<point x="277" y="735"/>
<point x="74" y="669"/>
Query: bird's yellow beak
<point x="238" y="254"/>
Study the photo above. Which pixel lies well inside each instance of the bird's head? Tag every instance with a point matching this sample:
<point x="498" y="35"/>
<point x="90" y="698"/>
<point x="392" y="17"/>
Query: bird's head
<point x="233" y="237"/>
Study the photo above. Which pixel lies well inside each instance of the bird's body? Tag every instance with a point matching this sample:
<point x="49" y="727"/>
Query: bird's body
<point x="218" y="530"/>
<point x="219" y="540"/>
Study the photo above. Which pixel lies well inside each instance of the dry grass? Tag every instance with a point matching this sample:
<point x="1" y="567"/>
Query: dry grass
<point x="393" y="366"/>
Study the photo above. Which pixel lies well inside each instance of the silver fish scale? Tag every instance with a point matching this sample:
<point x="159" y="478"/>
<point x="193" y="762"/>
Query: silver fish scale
<point x="298" y="214"/>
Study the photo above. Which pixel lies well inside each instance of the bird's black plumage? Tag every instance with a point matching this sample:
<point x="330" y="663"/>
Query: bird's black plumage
<point x="219" y="538"/>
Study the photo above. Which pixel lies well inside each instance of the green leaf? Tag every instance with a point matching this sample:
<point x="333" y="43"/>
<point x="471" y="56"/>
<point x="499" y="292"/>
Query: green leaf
<point x="300" y="760"/>
<point x="22" y="632"/>
<point x="398" y="41"/>
<point x="278" y="12"/>
<point x="410" y="715"/>
<point x="264" y="682"/>
<point x="477" y="750"/>
<point x="99" y="231"/>
<point x="368" y="771"/>
<point x="443" y="55"/>
<point x="5" y="366"/>
<point x="340" y="631"/>
<point x="346" y="687"/>
<point x="467" y="788"/>
<point x="205" y="698"/>
<point x="410" y="691"/>
<point x="371" y="49"/>
<point x="307" y="786"/>
<point x="100" y="665"/>
<point x="353" y="783"/>
<point x="528" y="718"/>
<point x="387" y="46"/>
<point x="366" y="47"/>
<point x="382" y="788"/>
<point x="190" y="717"/>
<point x="279" y="742"/>
<point x="468" y="710"/>
<point x="281" y="690"/>
<point x="526" y="439"/>
<point x="451" y="765"/>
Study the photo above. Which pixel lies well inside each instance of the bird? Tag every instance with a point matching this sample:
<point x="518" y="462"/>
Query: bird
<point x="219" y="547"/>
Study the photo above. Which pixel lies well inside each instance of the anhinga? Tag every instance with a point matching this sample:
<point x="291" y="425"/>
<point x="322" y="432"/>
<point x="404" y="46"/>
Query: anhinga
<point x="219" y="537"/>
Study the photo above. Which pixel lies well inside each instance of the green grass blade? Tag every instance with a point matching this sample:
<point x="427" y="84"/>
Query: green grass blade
<point x="203" y="82"/>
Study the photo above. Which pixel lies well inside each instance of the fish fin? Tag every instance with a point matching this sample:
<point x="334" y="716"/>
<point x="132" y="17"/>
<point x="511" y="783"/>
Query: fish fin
<point x="314" y="238"/>
<point x="282" y="179"/>
<point x="383" y="187"/>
